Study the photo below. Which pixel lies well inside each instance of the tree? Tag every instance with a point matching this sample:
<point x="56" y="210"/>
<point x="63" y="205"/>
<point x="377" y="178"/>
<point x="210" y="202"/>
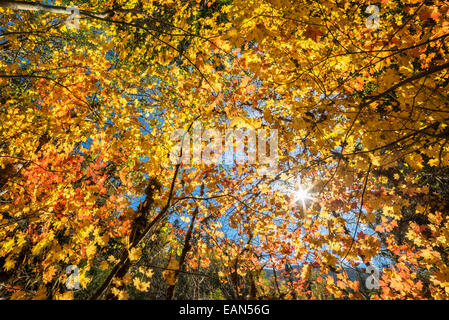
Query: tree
<point x="87" y="117"/>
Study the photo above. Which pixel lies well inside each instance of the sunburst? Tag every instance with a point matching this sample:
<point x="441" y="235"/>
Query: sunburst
<point x="302" y="195"/>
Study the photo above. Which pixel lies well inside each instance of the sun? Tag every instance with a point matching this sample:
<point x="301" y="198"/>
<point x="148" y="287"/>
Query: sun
<point x="302" y="195"/>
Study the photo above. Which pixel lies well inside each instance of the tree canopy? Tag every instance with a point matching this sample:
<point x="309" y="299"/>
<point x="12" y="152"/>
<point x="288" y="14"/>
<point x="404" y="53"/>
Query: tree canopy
<point x="357" y="100"/>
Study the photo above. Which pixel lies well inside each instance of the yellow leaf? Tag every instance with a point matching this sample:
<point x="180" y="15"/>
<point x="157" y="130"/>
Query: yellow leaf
<point x="49" y="274"/>
<point x="141" y="285"/>
<point x="19" y="295"/>
<point x="120" y="294"/>
<point x="104" y="265"/>
<point x="185" y="219"/>
<point x="68" y="295"/>
<point x="135" y="254"/>
<point x="41" y="293"/>
<point x="147" y="272"/>
<point x="127" y="279"/>
<point x="434" y="162"/>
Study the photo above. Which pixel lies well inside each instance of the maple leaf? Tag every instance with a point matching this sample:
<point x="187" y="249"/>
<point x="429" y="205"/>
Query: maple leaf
<point x="135" y="254"/>
<point x="104" y="265"/>
<point x="49" y="274"/>
<point x="147" y="272"/>
<point x="120" y="294"/>
<point x="141" y="285"/>
<point x="86" y="126"/>
<point x="68" y="295"/>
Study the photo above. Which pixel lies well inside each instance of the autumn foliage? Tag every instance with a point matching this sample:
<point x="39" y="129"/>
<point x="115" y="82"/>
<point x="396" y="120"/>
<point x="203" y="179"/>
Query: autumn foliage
<point x="87" y="114"/>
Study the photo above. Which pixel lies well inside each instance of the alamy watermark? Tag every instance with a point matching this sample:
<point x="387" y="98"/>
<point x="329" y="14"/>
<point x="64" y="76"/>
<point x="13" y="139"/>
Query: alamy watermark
<point x="73" y="21"/>
<point x="232" y="151"/>
<point x="73" y="280"/>
<point x="372" y="281"/>
<point x="373" y="21"/>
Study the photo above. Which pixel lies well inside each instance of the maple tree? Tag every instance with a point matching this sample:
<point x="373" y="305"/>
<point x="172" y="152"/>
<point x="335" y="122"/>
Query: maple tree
<point x="86" y="122"/>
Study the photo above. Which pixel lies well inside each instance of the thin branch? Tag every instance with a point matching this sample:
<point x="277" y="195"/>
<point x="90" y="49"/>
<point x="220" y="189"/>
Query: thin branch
<point x="360" y="213"/>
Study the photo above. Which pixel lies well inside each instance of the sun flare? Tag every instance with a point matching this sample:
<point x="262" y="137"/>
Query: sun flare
<point x="302" y="195"/>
